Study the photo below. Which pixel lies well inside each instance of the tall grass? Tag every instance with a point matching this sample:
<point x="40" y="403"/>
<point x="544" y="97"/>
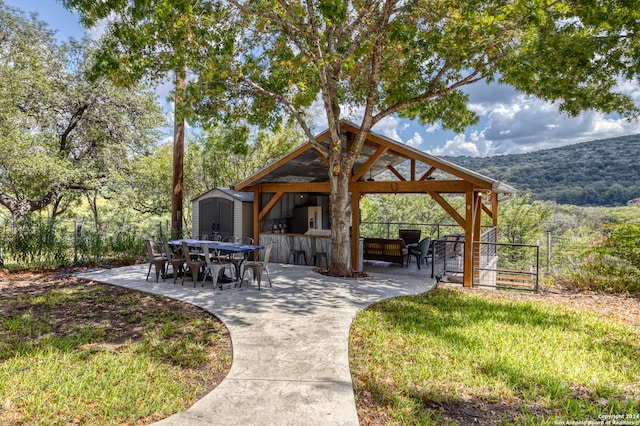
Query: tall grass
<point x="538" y="363"/>
<point x="39" y="241"/>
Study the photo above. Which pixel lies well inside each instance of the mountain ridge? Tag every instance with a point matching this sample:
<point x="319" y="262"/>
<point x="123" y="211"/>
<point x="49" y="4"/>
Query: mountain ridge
<point x="603" y="172"/>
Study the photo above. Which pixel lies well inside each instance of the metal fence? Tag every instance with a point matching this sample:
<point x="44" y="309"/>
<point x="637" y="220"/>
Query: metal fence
<point x="391" y="229"/>
<point x="43" y="241"/>
<point x="496" y="264"/>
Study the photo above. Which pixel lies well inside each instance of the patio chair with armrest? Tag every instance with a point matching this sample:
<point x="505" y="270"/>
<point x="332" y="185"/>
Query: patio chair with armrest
<point x="257" y="266"/>
<point x="157" y="260"/>
<point x="419" y="252"/>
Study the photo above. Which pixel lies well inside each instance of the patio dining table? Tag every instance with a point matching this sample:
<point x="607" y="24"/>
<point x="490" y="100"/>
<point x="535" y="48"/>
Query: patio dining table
<point x="224" y="248"/>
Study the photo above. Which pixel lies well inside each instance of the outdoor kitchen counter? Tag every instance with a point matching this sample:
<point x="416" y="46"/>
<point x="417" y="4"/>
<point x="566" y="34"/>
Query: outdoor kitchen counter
<point x="280" y="253"/>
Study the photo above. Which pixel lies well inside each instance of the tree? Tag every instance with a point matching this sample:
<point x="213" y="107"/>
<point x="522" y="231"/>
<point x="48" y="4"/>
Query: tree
<point x="412" y="59"/>
<point x="149" y="39"/>
<point x="58" y="131"/>
<point x="145" y="185"/>
<point x="219" y="157"/>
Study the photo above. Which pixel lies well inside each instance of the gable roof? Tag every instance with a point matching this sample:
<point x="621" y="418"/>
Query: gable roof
<point x="379" y="154"/>
<point x="246" y="197"/>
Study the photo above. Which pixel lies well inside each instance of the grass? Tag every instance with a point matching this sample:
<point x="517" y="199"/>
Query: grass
<point x="448" y="357"/>
<point x="68" y="356"/>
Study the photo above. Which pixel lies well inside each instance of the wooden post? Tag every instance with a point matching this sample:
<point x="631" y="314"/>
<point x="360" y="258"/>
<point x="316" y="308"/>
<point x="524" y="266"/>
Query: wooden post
<point x="494" y="209"/>
<point x="477" y="235"/>
<point x="468" y="239"/>
<point x="257" y="206"/>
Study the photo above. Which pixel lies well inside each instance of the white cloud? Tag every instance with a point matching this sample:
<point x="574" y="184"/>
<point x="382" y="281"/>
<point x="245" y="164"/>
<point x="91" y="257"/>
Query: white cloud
<point x="511" y="122"/>
<point x="459" y="146"/>
<point x="415" y="141"/>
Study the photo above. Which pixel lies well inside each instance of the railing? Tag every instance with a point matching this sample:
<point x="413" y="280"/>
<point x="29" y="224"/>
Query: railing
<point x="496" y="265"/>
<point x="504" y="265"/>
<point x="390" y="229"/>
<point x="447" y="258"/>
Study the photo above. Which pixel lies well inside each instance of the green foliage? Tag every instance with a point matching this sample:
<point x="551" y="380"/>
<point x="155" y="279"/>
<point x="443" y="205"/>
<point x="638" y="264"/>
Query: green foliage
<point x="59" y="132"/>
<point x="145" y="184"/>
<point x="612" y="263"/>
<point x="34" y="241"/>
<point x="521" y="221"/>
<point x="382" y="215"/>
<point x="217" y="157"/>
<point x="93" y="246"/>
<point x="37" y="241"/>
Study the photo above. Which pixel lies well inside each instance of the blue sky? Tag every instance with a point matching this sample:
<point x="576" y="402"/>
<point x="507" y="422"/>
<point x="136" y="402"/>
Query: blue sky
<point x="510" y="122"/>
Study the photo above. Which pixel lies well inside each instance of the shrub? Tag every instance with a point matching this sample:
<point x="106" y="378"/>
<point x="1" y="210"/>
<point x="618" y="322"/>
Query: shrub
<point x="612" y="263"/>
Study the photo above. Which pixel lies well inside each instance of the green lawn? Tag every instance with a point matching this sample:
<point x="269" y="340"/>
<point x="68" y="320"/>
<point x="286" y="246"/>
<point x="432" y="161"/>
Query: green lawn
<point x="450" y="357"/>
<point x="100" y="355"/>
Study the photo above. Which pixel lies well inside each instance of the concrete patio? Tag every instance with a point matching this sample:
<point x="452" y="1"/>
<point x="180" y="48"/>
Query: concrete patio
<point x="290" y="341"/>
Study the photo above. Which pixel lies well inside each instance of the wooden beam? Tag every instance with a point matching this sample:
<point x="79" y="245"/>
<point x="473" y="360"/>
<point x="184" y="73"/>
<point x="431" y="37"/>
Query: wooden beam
<point x="272" y="202"/>
<point x="430" y="160"/>
<point x="395" y="172"/>
<point x="428" y="173"/>
<point x="445" y="205"/>
<point x="413" y="169"/>
<point x="322" y="156"/>
<point x="370" y="162"/>
<point x="416" y="187"/>
<point x="488" y="211"/>
<point x="321" y="187"/>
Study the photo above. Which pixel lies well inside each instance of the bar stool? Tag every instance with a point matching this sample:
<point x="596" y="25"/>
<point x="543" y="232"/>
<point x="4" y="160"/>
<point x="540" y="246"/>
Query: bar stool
<point x="295" y="252"/>
<point x="315" y="254"/>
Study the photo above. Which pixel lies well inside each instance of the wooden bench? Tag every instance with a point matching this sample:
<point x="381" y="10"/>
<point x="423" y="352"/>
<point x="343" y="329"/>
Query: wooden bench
<point x="388" y="250"/>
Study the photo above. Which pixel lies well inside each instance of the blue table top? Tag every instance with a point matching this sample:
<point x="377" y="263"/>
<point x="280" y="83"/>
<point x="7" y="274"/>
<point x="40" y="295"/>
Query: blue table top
<point x="224" y="247"/>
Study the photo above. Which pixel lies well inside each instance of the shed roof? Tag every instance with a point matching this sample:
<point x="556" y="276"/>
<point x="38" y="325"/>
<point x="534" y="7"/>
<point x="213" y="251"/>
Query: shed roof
<point x="245" y="197"/>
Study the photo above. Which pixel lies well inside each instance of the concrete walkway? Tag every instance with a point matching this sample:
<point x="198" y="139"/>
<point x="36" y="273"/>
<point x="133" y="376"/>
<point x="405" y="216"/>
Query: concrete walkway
<point x="290" y="342"/>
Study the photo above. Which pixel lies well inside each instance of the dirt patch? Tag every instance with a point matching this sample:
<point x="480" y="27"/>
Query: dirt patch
<point x="353" y="276"/>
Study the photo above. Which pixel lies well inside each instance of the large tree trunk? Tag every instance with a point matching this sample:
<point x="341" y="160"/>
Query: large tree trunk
<point x="340" y="205"/>
<point x="178" y="155"/>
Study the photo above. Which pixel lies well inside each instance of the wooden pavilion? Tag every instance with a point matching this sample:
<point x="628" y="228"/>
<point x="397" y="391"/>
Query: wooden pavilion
<point x="305" y="170"/>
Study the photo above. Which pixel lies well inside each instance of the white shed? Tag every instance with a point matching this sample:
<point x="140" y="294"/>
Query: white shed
<point x="223" y="211"/>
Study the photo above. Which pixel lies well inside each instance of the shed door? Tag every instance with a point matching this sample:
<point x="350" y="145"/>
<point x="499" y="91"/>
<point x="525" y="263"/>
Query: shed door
<point x="216" y="216"/>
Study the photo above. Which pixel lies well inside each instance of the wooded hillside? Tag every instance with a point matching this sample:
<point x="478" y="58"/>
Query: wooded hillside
<point x="597" y="173"/>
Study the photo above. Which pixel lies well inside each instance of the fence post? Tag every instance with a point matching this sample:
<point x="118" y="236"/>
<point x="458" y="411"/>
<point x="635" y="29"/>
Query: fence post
<point x="537" y="267"/>
<point x="75" y="241"/>
<point x="548" y="252"/>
